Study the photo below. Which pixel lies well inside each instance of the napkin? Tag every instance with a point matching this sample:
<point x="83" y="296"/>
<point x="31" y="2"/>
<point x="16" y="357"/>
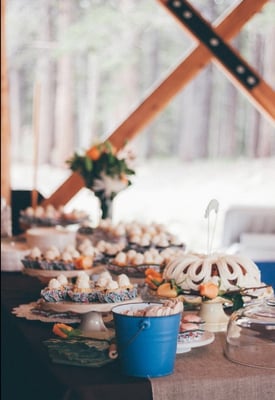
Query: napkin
<point x="79" y="352"/>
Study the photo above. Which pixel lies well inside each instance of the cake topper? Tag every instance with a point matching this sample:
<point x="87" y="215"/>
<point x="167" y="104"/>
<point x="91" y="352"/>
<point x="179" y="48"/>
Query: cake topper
<point x="213" y="205"/>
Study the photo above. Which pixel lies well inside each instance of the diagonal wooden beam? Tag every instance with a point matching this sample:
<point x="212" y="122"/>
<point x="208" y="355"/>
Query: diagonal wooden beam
<point x="242" y="75"/>
<point x="227" y="26"/>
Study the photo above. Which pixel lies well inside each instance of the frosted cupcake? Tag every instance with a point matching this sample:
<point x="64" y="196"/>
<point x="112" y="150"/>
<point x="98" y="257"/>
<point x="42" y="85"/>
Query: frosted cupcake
<point x="117" y="291"/>
<point x="57" y="289"/>
<point x="33" y="259"/>
<point x="83" y="290"/>
<point x="54" y="260"/>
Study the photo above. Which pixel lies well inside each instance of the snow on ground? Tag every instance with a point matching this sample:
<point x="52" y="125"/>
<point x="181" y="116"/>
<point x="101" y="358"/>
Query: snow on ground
<point x="173" y="193"/>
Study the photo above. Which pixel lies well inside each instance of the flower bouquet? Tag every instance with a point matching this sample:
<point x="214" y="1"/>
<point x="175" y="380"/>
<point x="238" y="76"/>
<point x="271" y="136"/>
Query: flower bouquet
<point x="207" y="291"/>
<point x="105" y="171"/>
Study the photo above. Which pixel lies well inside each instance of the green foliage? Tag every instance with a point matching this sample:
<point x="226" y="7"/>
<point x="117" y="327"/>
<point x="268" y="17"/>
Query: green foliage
<point x="236" y="298"/>
<point x="104" y="160"/>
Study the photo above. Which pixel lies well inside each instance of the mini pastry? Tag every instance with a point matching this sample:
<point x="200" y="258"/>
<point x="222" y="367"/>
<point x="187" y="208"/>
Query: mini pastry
<point x="57" y="290"/>
<point x="116" y="291"/>
<point x="83" y="290"/>
<point x="54" y="260"/>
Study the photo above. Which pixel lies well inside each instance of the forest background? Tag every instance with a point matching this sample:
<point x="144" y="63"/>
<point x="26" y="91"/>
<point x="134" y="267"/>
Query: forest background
<point x="96" y="60"/>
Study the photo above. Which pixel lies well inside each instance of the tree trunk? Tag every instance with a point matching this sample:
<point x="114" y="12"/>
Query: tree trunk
<point x="152" y="69"/>
<point x="195" y="114"/>
<point x="64" y="121"/>
<point x="46" y="78"/>
<point x="16" y="118"/>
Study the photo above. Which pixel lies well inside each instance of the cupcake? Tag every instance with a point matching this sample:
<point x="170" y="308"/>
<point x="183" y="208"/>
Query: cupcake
<point x="117" y="291"/>
<point x="50" y="258"/>
<point x="120" y="259"/>
<point x="102" y="282"/>
<point x="83" y="290"/>
<point x="59" y="261"/>
<point x="56" y="290"/>
<point x="32" y="260"/>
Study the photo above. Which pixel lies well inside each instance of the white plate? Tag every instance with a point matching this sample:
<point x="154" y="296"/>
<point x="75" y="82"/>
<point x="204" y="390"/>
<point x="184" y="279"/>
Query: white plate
<point x="204" y="340"/>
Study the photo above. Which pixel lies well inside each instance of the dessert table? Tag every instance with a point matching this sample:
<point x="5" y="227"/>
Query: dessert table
<point x="28" y="372"/>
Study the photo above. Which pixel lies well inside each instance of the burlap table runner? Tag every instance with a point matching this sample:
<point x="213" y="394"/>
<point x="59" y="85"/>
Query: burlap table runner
<point x="204" y="373"/>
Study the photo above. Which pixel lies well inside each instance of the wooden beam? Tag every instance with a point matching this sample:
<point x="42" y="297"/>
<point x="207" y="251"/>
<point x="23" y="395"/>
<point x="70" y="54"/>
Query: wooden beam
<point x="228" y="25"/>
<point x="242" y="75"/>
<point x="66" y="191"/>
<point x="5" y="120"/>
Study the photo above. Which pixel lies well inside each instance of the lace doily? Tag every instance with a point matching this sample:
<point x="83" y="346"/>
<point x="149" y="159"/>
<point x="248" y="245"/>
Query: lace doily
<point x="31" y="312"/>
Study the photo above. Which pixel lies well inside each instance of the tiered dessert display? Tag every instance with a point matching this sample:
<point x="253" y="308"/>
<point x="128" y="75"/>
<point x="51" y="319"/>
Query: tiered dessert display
<point x="47" y="264"/>
<point x="109" y="249"/>
<point x="123" y="248"/>
<point x="77" y="298"/>
<point x="85" y="290"/>
<point x="133" y="247"/>
<point x="126" y="264"/>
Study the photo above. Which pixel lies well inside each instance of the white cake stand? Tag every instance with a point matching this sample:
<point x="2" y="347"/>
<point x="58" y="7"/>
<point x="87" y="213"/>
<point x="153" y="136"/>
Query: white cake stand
<point x="92" y="324"/>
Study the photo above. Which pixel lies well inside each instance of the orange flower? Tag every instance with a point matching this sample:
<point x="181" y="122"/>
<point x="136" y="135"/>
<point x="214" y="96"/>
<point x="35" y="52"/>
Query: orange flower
<point x="123" y="178"/>
<point x="153" y="278"/>
<point x="93" y="153"/>
<point x="62" y="330"/>
<point x="152" y="273"/>
<point x="84" y="262"/>
<point x="209" y="290"/>
<point x="150" y="283"/>
<point x="166" y="290"/>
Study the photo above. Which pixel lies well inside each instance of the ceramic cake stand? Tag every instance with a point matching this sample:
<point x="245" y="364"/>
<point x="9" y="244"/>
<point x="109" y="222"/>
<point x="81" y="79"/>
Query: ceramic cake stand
<point x="92" y="323"/>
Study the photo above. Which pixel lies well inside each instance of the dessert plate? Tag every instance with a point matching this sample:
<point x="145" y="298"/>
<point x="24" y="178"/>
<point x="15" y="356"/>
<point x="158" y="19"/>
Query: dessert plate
<point x="184" y="345"/>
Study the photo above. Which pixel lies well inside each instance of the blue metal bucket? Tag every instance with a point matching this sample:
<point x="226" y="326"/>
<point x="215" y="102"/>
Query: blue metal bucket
<point x="146" y="345"/>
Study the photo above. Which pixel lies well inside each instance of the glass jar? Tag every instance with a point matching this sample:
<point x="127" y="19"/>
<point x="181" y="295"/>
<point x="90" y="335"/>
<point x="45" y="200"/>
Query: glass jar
<point x="250" y="337"/>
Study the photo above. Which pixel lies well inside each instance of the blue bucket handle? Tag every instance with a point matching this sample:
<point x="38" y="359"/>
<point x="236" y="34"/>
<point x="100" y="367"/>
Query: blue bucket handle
<point x="143" y="325"/>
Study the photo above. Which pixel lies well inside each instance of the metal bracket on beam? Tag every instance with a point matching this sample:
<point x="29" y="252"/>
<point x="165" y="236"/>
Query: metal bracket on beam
<point x="203" y="31"/>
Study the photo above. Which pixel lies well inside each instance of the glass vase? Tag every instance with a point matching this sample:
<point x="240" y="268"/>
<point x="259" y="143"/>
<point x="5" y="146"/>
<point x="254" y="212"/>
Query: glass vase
<point x="106" y="206"/>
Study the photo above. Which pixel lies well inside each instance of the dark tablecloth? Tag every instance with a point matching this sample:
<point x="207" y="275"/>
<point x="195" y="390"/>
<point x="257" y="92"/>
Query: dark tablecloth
<point x="28" y="373"/>
<point x="26" y="369"/>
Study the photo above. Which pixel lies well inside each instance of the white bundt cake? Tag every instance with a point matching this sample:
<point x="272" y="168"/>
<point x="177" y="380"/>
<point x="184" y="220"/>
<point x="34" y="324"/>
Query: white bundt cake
<point x="191" y="269"/>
